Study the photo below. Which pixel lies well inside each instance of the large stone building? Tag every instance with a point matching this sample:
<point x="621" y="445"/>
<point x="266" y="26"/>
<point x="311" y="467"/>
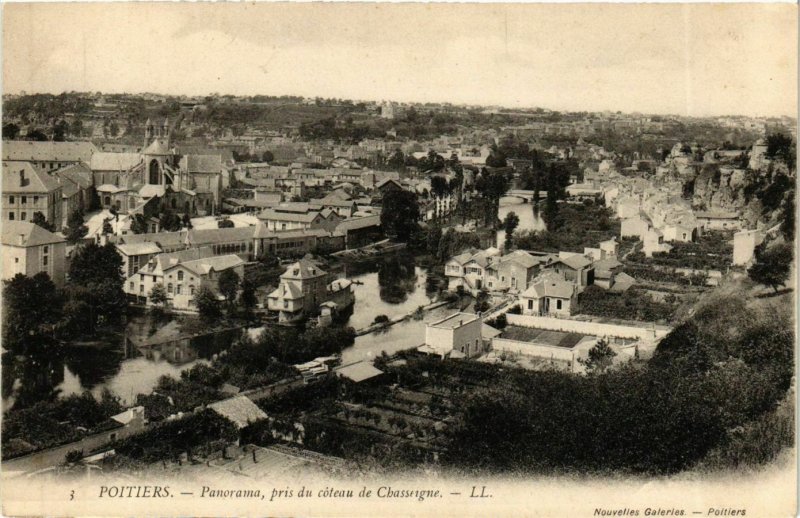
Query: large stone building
<point x="48" y="156"/>
<point x="29" y="249"/>
<point x="27" y="189"/>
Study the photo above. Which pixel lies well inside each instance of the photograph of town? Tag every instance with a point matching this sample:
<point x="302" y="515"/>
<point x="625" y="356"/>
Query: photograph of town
<point x="258" y="242"/>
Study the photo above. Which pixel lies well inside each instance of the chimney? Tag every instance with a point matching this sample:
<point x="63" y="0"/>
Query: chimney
<point x="22" y="180"/>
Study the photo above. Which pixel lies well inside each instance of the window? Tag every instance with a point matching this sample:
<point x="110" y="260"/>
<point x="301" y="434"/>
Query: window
<point x="178" y="289"/>
<point x="44" y="260"/>
<point x="23" y="216"/>
<point x="130" y="286"/>
<point x="24" y="200"/>
<point x="11" y="216"/>
<point x="169" y="288"/>
<point x="191" y="289"/>
<point x="10" y="199"/>
<point x="16" y="260"/>
<point x="141" y="277"/>
<point x="46" y="249"/>
<point x="180" y="276"/>
<point x="35" y="200"/>
<point x="558" y="304"/>
<point x="530" y="304"/>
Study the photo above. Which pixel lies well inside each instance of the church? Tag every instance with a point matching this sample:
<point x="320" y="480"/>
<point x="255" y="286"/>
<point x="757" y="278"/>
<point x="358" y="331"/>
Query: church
<point x="159" y="176"/>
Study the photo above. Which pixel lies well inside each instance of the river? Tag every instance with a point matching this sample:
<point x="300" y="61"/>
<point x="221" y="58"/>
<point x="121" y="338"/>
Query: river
<point x="391" y="286"/>
<point x="527" y="219"/>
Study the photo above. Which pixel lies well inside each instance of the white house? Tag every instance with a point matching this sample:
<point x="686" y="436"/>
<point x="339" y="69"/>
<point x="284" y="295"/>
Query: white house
<point x="549" y="295"/>
<point x="458" y="335"/>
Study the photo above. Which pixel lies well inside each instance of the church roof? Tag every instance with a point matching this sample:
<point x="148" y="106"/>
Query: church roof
<point x="103" y="161"/>
<point x="156" y="148"/>
<point x="203" y="163"/>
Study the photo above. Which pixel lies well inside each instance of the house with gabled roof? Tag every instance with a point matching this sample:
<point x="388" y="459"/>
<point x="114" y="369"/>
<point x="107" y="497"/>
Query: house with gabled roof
<point x="181" y="273"/>
<point x="29" y="249"/>
<point x="549" y="295"/>
<point x="28" y="189"/>
<point x="575" y="268"/>
<point x="515" y="271"/>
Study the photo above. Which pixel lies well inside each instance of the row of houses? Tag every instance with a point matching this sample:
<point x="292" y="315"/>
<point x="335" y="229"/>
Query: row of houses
<point x="546" y="284"/>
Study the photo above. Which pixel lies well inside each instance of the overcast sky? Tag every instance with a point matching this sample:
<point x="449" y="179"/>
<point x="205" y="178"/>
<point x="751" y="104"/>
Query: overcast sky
<point x="685" y="59"/>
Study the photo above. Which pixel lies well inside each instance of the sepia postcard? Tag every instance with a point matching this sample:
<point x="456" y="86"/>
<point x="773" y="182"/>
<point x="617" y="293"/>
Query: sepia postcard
<point x="399" y="259"/>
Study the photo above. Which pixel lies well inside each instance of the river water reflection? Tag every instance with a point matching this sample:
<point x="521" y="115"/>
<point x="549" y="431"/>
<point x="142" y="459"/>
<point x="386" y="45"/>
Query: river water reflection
<point x="524" y="211"/>
<point x="391" y="286"/>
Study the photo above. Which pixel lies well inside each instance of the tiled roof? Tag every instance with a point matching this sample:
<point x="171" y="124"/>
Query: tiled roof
<point x="359" y="371"/>
<point x="79" y="174"/>
<point x="212" y="236"/>
<point x="114" y="161"/>
<point x="240" y="410"/>
<point x="216" y="263"/>
<point x="357" y="223"/>
<point x="302" y="269"/>
<point x="273" y="215"/>
<point x="48" y="151"/>
<point x="550" y="287"/>
<point x="30" y="234"/>
<point x="36" y="180"/>
<point x="156" y="148"/>
<point x="203" y="163"/>
<point x="147" y="247"/>
<point x="576" y="262"/>
<point x="286" y="290"/>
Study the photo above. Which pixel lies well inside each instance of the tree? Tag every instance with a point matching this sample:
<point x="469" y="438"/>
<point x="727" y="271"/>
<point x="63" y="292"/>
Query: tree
<point x="39" y="219"/>
<point x="787" y="225"/>
<point x="37" y="135"/>
<point x="10" y="131"/>
<point x="95" y="292"/>
<point x="107" y="228"/>
<point x="60" y="130"/>
<point x="600" y="357"/>
<point x="399" y="214"/>
<point x="31" y="307"/>
<point x="510" y="224"/>
<point x="247" y="297"/>
<point x="225" y="223"/>
<point x="550" y="215"/>
<point x="158" y="295"/>
<point x="492" y="186"/>
<point x="496" y="159"/>
<point x="396" y="160"/>
<point x="169" y="221"/>
<point x="439" y="186"/>
<point x="781" y="147"/>
<point x="267" y="156"/>
<point x="76" y="128"/>
<point x="206" y="302"/>
<point x="229" y="285"/>
<point x="138" y="224"/>
<point x="76" y="230"/>
<point x="772" y="266"/>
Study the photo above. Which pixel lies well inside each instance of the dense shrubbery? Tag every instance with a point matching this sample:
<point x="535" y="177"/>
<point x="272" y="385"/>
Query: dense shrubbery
<point x="195" y="433"/>
<point x="724" y="369"/>
<point x="633" y="304"/>
<point x="581" y="226"/>
<point x="50" y="423"/>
